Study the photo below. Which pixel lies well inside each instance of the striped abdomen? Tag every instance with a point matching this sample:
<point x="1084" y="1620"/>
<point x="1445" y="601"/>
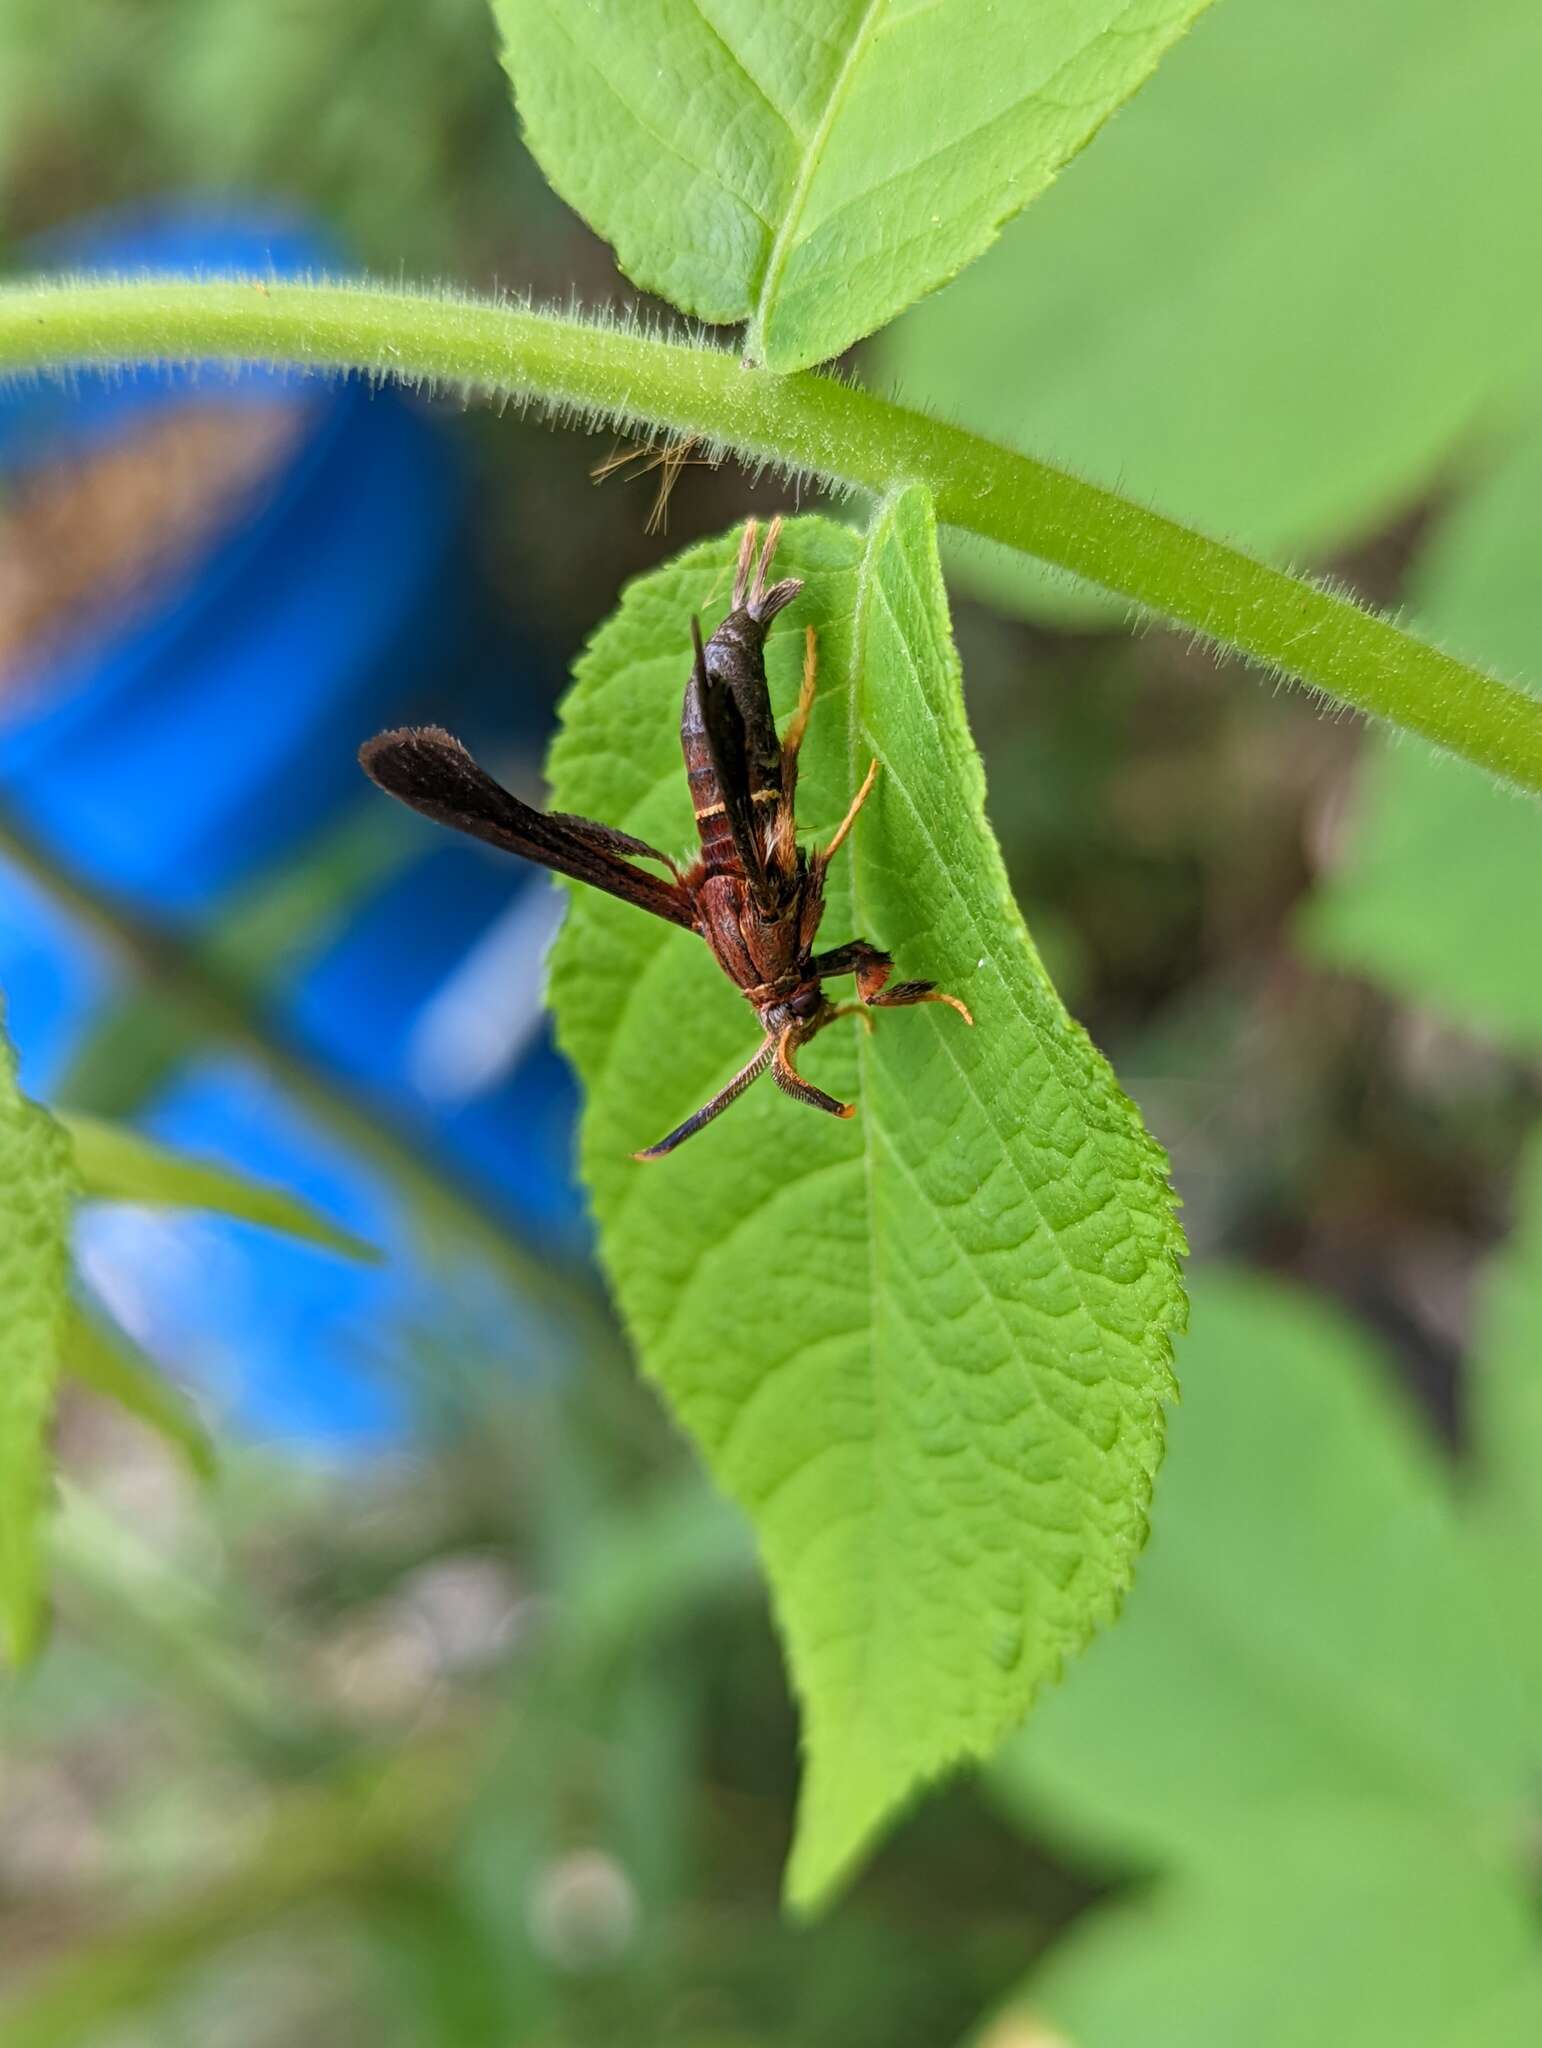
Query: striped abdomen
<point x="718" y="852"/>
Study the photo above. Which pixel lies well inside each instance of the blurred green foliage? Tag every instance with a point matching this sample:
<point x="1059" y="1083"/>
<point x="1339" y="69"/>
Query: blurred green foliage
<point x="489" y="1749"/>
<point x="1440" y="892"/>
<point x="370" y="112"/>
<point x="49" y="1163"/>
<point x="1279" y="292"/>
<point x="1334" y="1759"/>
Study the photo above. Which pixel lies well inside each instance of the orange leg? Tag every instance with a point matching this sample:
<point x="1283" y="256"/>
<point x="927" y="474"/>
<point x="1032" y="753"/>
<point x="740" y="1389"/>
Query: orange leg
<point x="872" y="969"/>
<point x="797" y="725"/>
<point x="854" y="1010"/>
<point x="824" y="859"/>
<point x="791" y="1082"/>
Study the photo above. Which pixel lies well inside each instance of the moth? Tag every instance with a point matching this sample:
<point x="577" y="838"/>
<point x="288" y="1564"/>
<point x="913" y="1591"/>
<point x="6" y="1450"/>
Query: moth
<point x="753" y="893"/>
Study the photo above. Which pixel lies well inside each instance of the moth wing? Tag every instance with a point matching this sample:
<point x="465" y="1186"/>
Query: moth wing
<point x="431" y="772"/>
<point x="731" y="747"/>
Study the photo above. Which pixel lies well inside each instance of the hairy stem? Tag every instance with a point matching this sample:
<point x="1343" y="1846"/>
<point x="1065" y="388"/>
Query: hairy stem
<point x="813" y="424"/>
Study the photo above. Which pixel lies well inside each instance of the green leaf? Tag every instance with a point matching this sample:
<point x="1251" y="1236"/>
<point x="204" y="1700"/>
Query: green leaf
<point x="1312" y="1624"/>
<point x="1440" y="895"/>
<point x="1506" y="1408"/>
<point x="1394" y="1936"/>
<point x="1271" y="299"/>
<point x="117" y="1164"/>
<point x="102" y="1358"/>
<point x="36" y="1188"/>
<point x="814" y="166"/>
<point x="925" y="1349"/>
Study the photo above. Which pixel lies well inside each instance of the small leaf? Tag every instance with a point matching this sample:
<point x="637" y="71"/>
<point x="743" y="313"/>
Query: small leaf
<point x="106" y="1361"/>
<point x="1397" y="1935"/>
<point x="1309" y="1562"/>
<point x="117" y="1164"/>
<point x="36" y="1188"/>
<point x="926" y="1349"/>
<point x="1229" y="308"/>
<point x="814" y="166"/>
<point x="1506" y="1401"/>
<point x="1440" y="892"/>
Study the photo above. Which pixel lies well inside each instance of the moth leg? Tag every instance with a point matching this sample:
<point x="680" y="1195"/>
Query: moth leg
<point x="907" y="993"/>
<point x="854" y="1010"/>
<point x="872" y="969"/>
<point x="824" y="859"/>
<point x="784" y="843"/>
<point x="797" y="725"/>
<point x="848" y="958"/>
<point x="791" y="1082"/>
<point x="716" y="1106"/>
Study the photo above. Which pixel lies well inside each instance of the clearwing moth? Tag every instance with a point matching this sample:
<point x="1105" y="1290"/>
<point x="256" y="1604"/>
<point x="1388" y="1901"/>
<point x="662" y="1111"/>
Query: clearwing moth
<point x="752" y="893"/>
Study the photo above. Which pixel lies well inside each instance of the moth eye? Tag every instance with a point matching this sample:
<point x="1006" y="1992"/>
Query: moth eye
<point x="804" y="1003"/>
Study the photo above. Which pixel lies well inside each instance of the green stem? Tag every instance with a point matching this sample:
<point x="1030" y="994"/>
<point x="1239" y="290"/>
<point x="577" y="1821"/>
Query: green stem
<point x="812" y="424"/>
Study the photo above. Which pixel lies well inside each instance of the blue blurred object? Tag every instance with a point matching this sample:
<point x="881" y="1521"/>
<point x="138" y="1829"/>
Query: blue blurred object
<point x="53" y="980"/>
<point x="288" y="1337"/>
<point x="179" y="759"/>
<point x="291" y="1339"/>
<point x="182" y="755"/>
<point x="459" y="1044"/>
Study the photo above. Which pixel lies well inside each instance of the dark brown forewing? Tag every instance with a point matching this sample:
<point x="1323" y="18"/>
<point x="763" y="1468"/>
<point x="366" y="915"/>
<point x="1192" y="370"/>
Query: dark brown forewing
<point x="431" y="772"/>
<point x="711" y="719"/>
<point x="735" y="661"/>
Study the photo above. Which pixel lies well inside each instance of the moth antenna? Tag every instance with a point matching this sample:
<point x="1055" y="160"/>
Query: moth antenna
<point x="761" y="604"/>
<point x="736" y="1087"/>
<point x="742" y="566"/>
<point x="767" y="553"/>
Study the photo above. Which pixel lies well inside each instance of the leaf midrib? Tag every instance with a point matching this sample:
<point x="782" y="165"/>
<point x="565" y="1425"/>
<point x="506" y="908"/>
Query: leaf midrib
<point x="869" y="589"/>
<point x="876" y="1578"/>
<point x="808" y="166"/>
<point x="1030" y="1024"/>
